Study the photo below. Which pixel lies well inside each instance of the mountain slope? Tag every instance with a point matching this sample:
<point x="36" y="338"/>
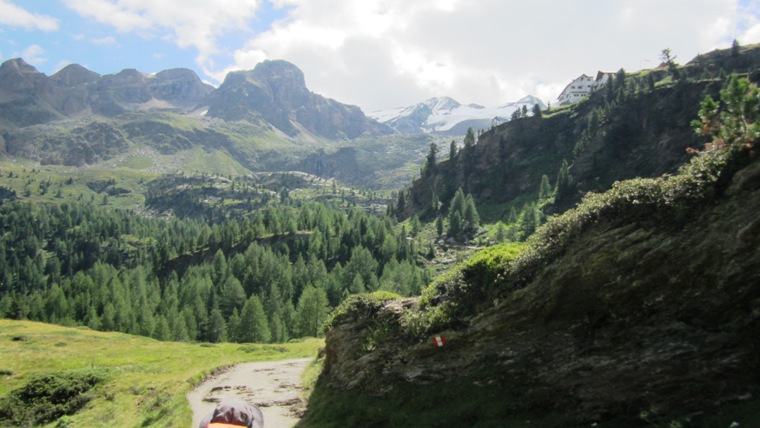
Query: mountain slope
<point x="273" y="92"/>
<point x="28" y="97"/>
<point x="264" y="119"/>
<point x="446" y="116"/>
<point x="640" y="305"/>
<point x="276" y="91"/>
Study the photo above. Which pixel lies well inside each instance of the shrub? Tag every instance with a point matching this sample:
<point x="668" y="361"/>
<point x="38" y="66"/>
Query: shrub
<point x="48" y="396"/>
<point x="463" y="291"/>
<point x="363" y="305"/>
<point x="667" y="200"/>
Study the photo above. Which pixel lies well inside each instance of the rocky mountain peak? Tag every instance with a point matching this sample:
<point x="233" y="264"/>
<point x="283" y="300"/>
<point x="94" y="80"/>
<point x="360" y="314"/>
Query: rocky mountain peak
<point x="17" y="75"/>
<point x="17" y="66"/>
<point x="130" y="73"/>
<point x="75" y="75"/>
<point x="279" y="72"/>
<point x="179" y="86"/>
<point x="273" y="92"/>
<point x="276" y="91"/>
<point x="441" y="104"/>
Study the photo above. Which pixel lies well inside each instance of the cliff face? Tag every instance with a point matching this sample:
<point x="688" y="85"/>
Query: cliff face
<point x="635" y="316"/>
<point x="28" y="97"/>
<point x="276" y="91"/>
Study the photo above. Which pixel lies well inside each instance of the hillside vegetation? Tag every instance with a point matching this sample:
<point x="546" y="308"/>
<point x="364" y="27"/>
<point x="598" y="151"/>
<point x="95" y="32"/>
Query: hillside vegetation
<point x="638" y="307"/>
<point x="638" y="125"/>
<point x="76" y="377"/>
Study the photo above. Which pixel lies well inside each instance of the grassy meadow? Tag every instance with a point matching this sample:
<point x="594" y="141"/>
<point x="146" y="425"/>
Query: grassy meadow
<point x="143" y="381"/>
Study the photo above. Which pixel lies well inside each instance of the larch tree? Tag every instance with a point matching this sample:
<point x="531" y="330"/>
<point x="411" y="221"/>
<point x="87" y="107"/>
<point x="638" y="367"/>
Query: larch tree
<point x="311" y="311"/>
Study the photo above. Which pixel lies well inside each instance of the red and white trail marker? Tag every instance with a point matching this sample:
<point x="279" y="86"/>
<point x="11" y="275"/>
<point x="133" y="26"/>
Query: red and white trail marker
<point x="439" y="341"/>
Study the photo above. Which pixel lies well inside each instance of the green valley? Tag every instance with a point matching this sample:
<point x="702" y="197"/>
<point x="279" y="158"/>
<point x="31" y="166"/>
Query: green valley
<point x="594" y="264"/>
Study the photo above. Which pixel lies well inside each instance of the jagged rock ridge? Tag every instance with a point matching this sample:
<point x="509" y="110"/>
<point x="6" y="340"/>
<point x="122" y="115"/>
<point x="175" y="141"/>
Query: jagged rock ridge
<point x="276" y="91"/>
<point x="28" y="97"/>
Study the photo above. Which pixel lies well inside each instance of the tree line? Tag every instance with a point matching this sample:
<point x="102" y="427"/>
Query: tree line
<point x="265" y="277"/>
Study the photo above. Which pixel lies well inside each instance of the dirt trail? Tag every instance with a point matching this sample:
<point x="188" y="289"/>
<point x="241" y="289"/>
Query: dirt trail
<point x="274" y="386"/>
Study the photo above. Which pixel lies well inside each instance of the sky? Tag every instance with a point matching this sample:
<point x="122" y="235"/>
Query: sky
<point x="378" y="54"/>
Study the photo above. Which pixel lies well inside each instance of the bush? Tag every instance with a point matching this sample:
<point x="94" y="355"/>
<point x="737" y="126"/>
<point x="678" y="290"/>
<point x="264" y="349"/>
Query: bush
<point x="493" y="273"/>
<point x="463" y="291"/>
<point x="48" y="396"/>
<point x="667" y="200"/>
<point x="359" y="305"/>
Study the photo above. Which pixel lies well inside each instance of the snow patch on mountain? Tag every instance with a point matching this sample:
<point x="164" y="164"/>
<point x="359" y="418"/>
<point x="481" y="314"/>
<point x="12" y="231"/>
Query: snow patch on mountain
<point x="442" y="115"/>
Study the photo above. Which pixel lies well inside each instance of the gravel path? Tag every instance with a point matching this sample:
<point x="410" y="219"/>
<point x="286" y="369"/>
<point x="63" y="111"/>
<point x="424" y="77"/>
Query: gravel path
<point x="274" y="386"/>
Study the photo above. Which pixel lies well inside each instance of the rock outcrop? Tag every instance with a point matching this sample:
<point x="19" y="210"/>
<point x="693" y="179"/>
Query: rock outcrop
<point x="28" y="97"/>
<point x="636" y="315"/>
<point x="276" y="91"/>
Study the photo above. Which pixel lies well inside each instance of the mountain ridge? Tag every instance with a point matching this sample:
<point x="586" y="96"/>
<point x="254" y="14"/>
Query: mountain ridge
<point x="274" y="91"/>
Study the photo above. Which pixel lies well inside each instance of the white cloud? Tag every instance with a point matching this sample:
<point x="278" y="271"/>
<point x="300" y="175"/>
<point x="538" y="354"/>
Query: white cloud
<point x="109" y="40"/>
<point x="34" y="55"/>
<point x="194" y="24"/>
<point x="15" y="16"/>
<point x="750" y="22"/>
<point x="389" y="53"/>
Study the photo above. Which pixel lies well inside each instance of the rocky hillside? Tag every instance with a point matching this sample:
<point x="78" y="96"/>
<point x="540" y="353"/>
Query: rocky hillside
<point x="276" y="91"/>
<point x="28" y="97"/>
<point x="641" y="307"/>
<point x="262" y="120"/>
<point x="637" y="126"/>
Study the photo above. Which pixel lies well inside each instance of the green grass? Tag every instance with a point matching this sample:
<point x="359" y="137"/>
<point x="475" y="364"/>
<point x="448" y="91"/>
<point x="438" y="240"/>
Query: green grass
<point x="464" y="402"/>
<point x="146" y="380"/>
<point x="458" y="402"/>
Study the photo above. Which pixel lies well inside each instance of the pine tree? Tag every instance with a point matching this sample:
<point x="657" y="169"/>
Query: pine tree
<point x="430" y="164"/>
<point x="529" y="219"/>
<point x="357" y="285"/>
<point x="545" y="189"/>
<point x="162" y="331"/>
<point x="471" y="217"/>
<point x="457" y="204"/>
<point x="233" y="326"/>
<point x="311" y="311"/>
<point x="565" y="182"/>
<point x="400" y="205"/>
<point x="217" y="328"/>
<point x="455" y="225"/>
<point x="231" y="295"/>
<point x="501" y="233"/>
<point x="415" y="223"/>
<point x="537" y="111"/>
<point x="254" y="326"/>
<point x="468" y="156"/>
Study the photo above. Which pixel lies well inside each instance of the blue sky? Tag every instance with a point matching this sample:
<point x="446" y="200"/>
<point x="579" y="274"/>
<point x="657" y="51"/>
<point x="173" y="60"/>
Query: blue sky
<point x="378" y="54"/>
